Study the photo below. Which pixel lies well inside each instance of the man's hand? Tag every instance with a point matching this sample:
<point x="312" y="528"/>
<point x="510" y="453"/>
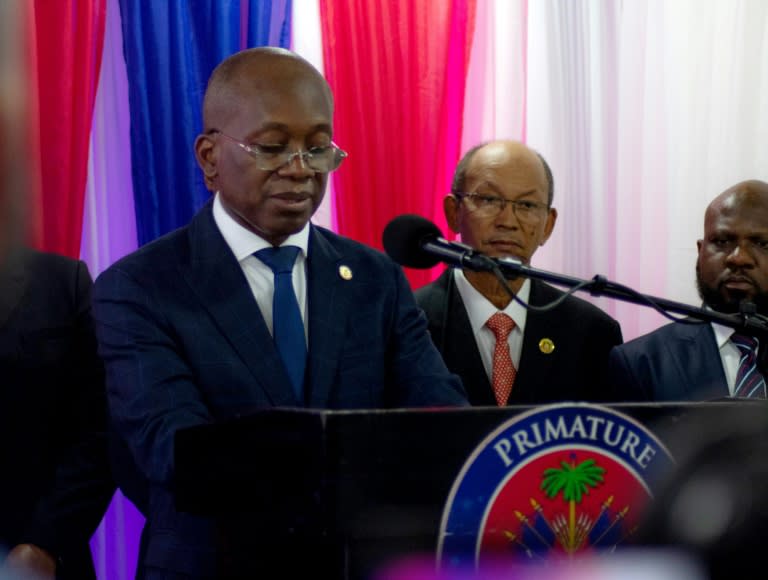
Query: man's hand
<point x="29" y="562"/>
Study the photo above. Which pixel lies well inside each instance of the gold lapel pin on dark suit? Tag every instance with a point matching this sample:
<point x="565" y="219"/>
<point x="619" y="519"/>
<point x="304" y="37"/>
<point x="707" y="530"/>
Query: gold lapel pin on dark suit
<point x="345" y="272"/>
<point x="546" y="345"/>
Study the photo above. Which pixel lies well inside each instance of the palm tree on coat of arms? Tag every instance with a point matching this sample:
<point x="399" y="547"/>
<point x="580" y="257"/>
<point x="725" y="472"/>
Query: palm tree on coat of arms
<point x="574" y="482"/>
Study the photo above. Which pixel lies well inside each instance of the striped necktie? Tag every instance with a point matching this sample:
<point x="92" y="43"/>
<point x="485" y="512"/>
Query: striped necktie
<point x="750" y="383"/>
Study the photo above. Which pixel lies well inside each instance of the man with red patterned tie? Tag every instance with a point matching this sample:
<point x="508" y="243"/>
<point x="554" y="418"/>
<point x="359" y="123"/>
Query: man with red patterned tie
<point x="694" y="361"/>
<point x="505" y="353"/>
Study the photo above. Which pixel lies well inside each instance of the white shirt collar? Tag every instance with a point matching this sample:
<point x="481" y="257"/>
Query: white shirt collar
<point x="480" y="309"/>
<point x="722" y="333"/>
<point x="243" y="242"/>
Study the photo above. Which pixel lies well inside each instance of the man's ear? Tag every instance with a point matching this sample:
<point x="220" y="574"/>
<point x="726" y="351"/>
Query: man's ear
<point x="549" y="225"/>
<point x="451" y="210"/>
<point x="206" y="154"/>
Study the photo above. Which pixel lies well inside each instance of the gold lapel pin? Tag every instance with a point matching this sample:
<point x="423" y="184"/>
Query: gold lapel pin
<point x="345" y="272"/>
<point x="546" y="345"/>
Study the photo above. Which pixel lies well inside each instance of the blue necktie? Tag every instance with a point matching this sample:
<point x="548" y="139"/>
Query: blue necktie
<point x="750" y="382"/>
<point x="287" y="326"/>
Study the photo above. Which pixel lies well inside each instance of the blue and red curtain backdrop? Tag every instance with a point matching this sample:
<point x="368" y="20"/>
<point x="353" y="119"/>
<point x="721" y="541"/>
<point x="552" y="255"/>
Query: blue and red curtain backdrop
<point x="644" y="110"/>
<point x="152" y="70"/>
<point x="171" y="48"/>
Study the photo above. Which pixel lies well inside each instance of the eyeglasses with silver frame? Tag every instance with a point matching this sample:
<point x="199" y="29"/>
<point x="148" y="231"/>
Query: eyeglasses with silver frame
<point x="273" y="157"/>
<point x="526" y="210"/>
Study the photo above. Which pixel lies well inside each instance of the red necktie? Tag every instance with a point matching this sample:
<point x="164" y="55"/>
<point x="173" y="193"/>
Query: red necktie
<point x="503" y="368"/>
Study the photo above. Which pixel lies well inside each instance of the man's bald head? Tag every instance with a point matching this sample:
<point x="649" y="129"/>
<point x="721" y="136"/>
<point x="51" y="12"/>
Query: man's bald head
<point x="732" y="264"/>
<point x="251" y="71"/>
<point x="263" y="103"/>
<point x="460" y="174"/>
<point x="501" y="198"/>
<point x="752" y="193"/>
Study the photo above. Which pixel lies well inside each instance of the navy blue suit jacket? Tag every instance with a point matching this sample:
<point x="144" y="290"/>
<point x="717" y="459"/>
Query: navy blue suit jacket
<point x="677" y="362"/>
<point x="575" y="370"/>
<point x="185" y="344"/>
<point x="56" y="481"/>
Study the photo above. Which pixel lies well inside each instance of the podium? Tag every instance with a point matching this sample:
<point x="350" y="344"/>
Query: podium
<point x="355" y="490"/>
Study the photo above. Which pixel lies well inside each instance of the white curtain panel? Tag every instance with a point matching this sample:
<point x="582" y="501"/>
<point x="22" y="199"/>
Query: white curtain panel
<point x="109" y="218"/>
<point x="494" y="102"/>
<point x="307" y="40"/>
<point x="646" y="111"/>
<point x="109" y="233"/>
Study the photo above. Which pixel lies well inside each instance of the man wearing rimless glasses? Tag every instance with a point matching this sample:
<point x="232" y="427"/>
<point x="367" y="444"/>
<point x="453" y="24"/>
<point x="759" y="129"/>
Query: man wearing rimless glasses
<point x="250" y="306"/>
<point x="501" y="204"/>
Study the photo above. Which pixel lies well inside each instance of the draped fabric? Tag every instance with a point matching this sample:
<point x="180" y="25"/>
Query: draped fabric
<point x="397" y="69"/>
<point x="644" y="110"/>
<point x="68" y="43"/>
<point x="109" y="219"/>
<point x="170" y="50"/>
<point x="307" y="40"/>
<point x="495" y="105"/>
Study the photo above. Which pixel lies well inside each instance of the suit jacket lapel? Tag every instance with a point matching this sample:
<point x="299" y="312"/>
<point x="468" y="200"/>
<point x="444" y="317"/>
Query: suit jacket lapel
<point x="698" y="362"/>
<point x="535" y="366"/>
<point x="216" y="277"/>
<point x="328" y="313"/>
<point x="459" y="346"/>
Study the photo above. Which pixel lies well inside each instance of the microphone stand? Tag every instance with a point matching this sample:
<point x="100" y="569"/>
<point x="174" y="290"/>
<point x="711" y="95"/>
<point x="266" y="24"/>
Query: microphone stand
<point x="747" y="320"/>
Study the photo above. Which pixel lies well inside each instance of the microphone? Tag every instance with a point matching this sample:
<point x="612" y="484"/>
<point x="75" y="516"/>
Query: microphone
<point x="415" y="242"/>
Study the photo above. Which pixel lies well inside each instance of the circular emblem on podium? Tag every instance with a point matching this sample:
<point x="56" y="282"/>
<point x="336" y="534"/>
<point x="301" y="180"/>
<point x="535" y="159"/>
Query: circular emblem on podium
<point x="551" y="482"/>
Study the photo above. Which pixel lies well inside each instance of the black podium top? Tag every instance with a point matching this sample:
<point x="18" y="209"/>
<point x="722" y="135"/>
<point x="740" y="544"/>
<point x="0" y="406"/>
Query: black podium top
<point x="367" y="473"/>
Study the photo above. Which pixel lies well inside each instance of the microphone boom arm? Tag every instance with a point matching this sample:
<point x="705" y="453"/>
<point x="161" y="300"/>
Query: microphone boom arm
<point x="451" y="252"/>
<point x="600" y="286"/>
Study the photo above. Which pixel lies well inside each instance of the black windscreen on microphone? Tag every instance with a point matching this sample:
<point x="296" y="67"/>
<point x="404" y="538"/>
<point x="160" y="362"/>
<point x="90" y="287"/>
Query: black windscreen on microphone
<point x="404" y="237"/>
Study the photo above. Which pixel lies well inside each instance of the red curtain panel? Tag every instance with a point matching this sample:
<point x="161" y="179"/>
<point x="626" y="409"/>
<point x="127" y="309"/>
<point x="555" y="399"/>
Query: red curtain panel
<point x="66" y="57"/>
<point x="398" y="70"/>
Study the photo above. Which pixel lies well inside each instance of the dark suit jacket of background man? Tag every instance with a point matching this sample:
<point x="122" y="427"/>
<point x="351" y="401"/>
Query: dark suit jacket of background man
<point x="677" y="362"/>
<point x="52" y="410"/>
<point x="582" y="333"/>
<point x="185" y="344"/>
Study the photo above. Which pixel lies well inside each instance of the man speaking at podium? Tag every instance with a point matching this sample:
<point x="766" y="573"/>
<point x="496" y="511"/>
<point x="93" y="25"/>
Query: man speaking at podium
<point x="692" y="360"/>
<point x="250" y="306"/>
<point x="501" y="204"/>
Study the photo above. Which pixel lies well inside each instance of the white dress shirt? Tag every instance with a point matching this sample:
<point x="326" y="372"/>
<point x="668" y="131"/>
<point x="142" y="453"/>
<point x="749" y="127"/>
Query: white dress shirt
<point x="730" y="355"/>
<point x="480" y="309"/>
<point x="243" y="243"/>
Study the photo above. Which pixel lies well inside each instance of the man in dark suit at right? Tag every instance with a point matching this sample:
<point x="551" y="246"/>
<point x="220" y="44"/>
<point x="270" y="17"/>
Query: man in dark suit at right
<point x="501" y="204"/>
<point x="694" y="361"/>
